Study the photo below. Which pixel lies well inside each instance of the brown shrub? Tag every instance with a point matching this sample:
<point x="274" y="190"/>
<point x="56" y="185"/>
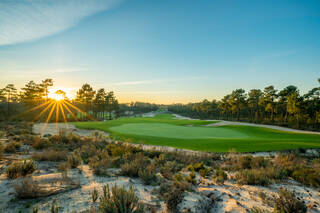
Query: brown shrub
<point x="1" y="151"/>
<point x="100" y="163"/>
<point x="74" y="160"/>
<point x="26" y="188"/>
<point x="20" y="169"/>
<point x="40" y="143"/>
<point x="12" y="147"/>
<point x="50" y="155"/>
<point x="287" y="202"/>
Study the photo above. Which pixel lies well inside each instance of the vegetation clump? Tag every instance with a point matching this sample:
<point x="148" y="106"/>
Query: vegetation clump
<point x="119" y="200"/>
<point x="74" y="160"/>
<point x="12" y="147"/>
<point x="26" y="189"/>
<point x="219" y="176"/>
<point x="50" y="155"/>
<point x="287" y="202"/>
<point x="20" y="169"/>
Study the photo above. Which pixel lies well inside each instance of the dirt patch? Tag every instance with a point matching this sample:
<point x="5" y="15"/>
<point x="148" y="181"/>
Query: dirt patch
<point x="55" y="128"/>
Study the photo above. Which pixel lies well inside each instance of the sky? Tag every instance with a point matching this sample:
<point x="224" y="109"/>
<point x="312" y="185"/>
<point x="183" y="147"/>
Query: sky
<point x="167" y="51"/>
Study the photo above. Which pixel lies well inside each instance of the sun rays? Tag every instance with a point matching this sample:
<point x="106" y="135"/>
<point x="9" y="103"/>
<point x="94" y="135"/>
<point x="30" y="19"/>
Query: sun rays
<point x="57" y="109"/>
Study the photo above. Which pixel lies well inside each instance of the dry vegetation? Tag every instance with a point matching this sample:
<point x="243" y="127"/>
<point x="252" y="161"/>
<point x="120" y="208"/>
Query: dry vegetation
<point x="173" y="174"/>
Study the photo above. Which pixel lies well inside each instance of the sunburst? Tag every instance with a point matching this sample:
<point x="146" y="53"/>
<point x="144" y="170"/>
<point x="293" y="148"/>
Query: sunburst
<point x="57" y="104"/>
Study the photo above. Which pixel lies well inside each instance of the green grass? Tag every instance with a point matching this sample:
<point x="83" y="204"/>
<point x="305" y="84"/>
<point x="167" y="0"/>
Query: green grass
<point x="164" y="130"/>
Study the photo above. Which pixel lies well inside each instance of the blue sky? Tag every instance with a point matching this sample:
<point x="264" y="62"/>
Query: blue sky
<point x="164" y="51"/>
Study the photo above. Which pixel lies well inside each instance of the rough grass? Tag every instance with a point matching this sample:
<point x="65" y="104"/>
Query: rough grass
<point x="164" y="130"/>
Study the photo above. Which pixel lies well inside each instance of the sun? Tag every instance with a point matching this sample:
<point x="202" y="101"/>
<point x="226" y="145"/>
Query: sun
<point x="57" y="95"/>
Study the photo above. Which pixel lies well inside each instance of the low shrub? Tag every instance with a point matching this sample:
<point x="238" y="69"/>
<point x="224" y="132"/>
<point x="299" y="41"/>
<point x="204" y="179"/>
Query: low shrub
<point x="262" y="177"/>
<point x="40" y="143"/>
<point x="172" y="195"/>
<point x="307" y="176"/>
<point x="12" y="147"/>
<point x="88" y="151"/>
<point x="287" y="202"/>
<point x="252" y="177"/>
<point x="132" y="168"/>
<point x="74" y="160"/>
<point x="258" y="210"/>
<point x="169" y="168"/>
<point x="100" y="163"/>
<point x="219" y="176"/>
<point x="26" y="189"/>
<point x="1" y="150"/>
<point x="94" y="195"/>
<point x="204" y="172"/>
<point x="148" y="174"/>
<point x="192" y="178"/>
<point x="63" y="167"/>
<point x="20" y="168"/>
<point x="247" y="162"/>
<point x="119" y="200"/>
<point x="196" y="166"/>
<point x="181" y="182"/>
<point x="50" y="155"/>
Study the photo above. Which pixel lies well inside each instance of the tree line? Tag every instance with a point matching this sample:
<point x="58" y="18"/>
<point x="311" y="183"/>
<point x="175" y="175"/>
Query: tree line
<point x="286" y="107"/>
<point x="26" y="104"/>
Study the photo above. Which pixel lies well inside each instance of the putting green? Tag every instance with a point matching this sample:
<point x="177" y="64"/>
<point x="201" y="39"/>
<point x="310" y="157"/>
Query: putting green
<point x="165" y="130"/>
<point x="174" y="131"/>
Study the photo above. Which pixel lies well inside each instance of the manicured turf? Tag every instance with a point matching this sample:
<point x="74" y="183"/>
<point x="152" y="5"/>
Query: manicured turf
<point x="191" y="134"/>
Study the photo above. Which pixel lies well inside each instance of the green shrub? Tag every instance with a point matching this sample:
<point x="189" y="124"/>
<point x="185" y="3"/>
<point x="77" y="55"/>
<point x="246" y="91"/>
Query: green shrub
<point x="261" y="177"/>
<point x="196" y="166"/>
<point x="148" y="175"/>
<point x="307" y="176"/>
<point x="119" y="200"/>
<point x="100" y="163"/>
<point x="219" y="176"/>
<point x="192" y="178"/>
<point x="170" y="168"/>
<point x="253" y="177"/>
<point x="287" y="202"/>
<point x="204" y="172"/>
<point x="20" y="168"/>
<point x="132" y="168"/>
<point x="181" y="182"/>
<point x="94" y="195"/>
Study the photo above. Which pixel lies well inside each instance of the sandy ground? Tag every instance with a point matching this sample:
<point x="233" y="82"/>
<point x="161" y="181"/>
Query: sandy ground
<point x="55" y="128"/>
<point x="228" y="197"/>
<point x="75" y="200"/>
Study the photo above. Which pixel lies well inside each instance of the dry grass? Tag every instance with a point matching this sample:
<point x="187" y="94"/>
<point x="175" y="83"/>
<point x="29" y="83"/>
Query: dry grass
<point x="50" y="155"/>
<point x="27" y="188"/>
<point x="20" y="169"/>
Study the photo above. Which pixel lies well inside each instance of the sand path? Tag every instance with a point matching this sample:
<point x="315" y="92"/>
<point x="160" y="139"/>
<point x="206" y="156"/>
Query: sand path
<point x="54" y="128"/>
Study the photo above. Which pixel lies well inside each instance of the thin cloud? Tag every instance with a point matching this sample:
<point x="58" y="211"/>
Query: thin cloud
<point x="27" y="20"/>
<point x="157" y="81"/>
